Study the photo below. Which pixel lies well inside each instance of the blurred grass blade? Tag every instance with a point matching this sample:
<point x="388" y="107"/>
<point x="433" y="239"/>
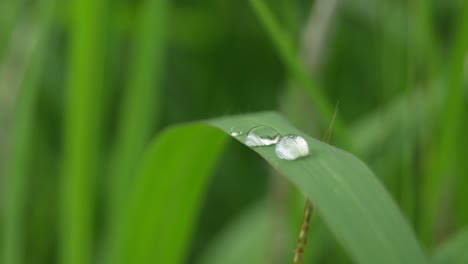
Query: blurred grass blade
<point x="158" y="221"/>
<point x="9" y="11"/>
<point x="374" y="130"/>
<point x="425" y="43"/>
<point x="82" y="118"/>
<point x="344" y="191"/>
<point x="452" y="135"/>
<point x="454" y="251"/>
<point x="442" y="160"/>
<point x="245" y="240"/>
<point x="288" y="54"/>
<point x="461" y="196"/>
<point x="140" y="112"/>
<point x="22" y="140"/>
<point x="248" y="239"/>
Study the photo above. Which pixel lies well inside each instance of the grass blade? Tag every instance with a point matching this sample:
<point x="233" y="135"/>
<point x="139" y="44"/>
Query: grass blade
<point x="21" y="147"/>
<point x="140" y="111"/>
<point x="345" y="193"/>
<point x="244" y="241"/>
<point x="443" y="158"/>
<point x="256" y="227"/>
<point x="287" y="53"/>
<point x="82" y="118"/>
<point x="157" y="223"/>
<point x="9" y="11"/>
<point x="454" y="250"/>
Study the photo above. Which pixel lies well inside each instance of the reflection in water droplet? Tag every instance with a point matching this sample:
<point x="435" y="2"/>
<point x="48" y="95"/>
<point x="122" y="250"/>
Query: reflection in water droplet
<point x="262" y="136"/>
<point x="291" y="147"/>
<point x="233" y="132"/>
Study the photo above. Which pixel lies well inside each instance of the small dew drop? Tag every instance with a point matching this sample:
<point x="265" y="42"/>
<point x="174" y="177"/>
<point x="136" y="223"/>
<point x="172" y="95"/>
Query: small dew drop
<point x="261" y="136"/>
<point x="233" y="132"/>
<point x="291" y="147"/>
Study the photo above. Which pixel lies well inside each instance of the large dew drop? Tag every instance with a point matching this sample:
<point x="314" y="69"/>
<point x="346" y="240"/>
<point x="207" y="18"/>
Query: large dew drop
<point x="261" y="136"/>
<point x="292" y="147"/>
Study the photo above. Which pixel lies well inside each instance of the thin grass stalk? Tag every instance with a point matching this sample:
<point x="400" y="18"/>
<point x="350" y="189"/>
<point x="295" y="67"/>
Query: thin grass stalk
<point x="142" y="102"/>
<point x="442" y="160"/>
<point x="22" y="142"/>
<point x="81" y="140"/>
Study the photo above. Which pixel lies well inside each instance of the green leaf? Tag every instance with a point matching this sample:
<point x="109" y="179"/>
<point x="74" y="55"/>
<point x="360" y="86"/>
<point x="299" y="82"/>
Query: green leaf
<point x="81" y="159"/>
<point x="443" y="156"/>
<point x="141" y="105"/>
<point x="245" y="240"/>
<point x="345" y="193"/>
<point x="453" y="251"/>
<point x="9" y="12"/>
<point x="163" y="203"/>
<point x="348" y="197"/>
<point x="22" y="142"/>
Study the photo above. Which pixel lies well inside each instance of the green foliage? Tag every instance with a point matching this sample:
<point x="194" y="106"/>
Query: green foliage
<point x="82" y="126"/>
<point x="157" y="220"/>
<point x="234" y="245"/>
<point x="443" y="160"/>
<point x="345" y="193"/>
<point x="86" y="84"/>
<point x="23" y="142"/>
<point x="453" y="250"/>
<point x="287" y="52"/>
<point x="142" y="95"/>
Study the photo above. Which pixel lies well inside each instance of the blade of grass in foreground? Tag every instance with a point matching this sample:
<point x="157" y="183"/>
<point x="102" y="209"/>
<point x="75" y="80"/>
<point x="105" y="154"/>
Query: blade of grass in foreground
<point x="82" y="118"/>
<point x="346" y="194"/>
<point x="453" y="251"/>
<point x="158" y="219"/>
<point x="21" y="147"/>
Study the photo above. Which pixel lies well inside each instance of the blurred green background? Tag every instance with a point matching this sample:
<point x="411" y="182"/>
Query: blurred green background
<point x="85" y="85"/>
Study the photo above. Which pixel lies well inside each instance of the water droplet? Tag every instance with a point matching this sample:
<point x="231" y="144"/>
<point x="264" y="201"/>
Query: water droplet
<point x="291" y="147"/>
<point x="261" y="136"/>
<point x="235" y="133"/>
